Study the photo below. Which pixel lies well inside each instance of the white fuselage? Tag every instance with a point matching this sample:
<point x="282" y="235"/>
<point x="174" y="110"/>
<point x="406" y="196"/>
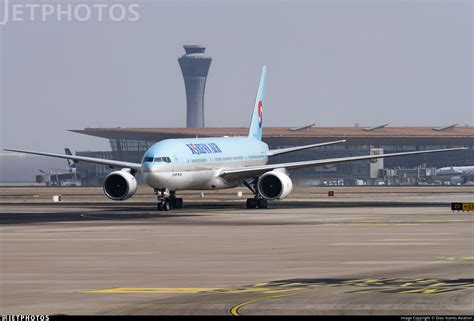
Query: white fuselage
<point x="181" y="164"/>
<point x="456" y="170"/>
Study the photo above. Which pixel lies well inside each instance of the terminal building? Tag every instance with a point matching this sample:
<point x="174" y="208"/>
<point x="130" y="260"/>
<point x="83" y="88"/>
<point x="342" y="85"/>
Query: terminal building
<point x="129" y="144"/>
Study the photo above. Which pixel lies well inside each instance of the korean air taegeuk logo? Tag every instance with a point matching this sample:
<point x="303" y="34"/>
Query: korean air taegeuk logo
<point x="260" y="113"/>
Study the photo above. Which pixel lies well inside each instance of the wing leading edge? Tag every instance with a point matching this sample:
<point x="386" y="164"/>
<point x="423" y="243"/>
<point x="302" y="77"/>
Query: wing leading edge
<point x="108" y="162"/>
<point x="237" y="174"/>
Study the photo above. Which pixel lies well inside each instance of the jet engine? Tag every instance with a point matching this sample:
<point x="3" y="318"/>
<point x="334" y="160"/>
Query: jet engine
<point x="458" y="180"/>
<point x="274" y="185"/>
<point x="120" y="185"/>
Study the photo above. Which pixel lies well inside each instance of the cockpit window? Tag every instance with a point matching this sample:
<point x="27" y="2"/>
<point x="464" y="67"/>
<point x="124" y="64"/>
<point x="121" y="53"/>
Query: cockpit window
<point x="148" y="159"/>
<point x="162" y="159"/>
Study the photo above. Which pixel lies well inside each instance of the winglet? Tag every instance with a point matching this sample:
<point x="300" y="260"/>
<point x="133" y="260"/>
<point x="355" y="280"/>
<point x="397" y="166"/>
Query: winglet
<point x="255" y="130"/>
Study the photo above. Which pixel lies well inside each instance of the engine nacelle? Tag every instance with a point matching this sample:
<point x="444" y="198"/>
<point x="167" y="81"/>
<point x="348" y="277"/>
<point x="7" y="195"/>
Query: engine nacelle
<point x="458" y="180"/>
<point x="274" y="185"/>
<point x="120" y="185"/>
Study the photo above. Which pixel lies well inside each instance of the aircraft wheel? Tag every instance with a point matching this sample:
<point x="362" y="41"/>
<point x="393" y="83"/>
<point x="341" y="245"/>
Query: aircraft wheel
<point x="251" y="203"/>
<point x="166" y="206"/>
<point x="262" y="203"/>
<point x="176" y="202"/>
<point x="159" y="206"/>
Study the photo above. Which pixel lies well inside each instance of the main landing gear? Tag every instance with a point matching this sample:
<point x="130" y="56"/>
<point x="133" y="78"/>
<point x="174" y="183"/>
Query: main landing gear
<point x="257" y="201"/>
<point x="168" y="200"/>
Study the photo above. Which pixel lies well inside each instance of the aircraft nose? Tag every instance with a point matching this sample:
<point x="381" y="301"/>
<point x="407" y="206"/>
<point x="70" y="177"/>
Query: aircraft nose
<point x="147" y="167"/>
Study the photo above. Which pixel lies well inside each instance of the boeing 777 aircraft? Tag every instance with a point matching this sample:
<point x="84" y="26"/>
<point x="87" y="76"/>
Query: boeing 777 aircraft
<point x="173" y="165"/>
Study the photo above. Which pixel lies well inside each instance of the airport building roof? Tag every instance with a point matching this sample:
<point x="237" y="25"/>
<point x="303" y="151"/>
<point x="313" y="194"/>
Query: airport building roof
<point x="283" y="132"/>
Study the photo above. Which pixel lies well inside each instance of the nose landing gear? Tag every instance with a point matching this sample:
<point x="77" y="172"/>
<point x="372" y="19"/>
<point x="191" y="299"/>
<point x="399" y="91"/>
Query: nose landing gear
<point x="164" y="205"/>
<point x="167" y="200"/>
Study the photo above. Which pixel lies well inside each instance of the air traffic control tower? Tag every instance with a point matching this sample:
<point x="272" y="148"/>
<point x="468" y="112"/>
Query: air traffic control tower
<point x="195" y="66"/>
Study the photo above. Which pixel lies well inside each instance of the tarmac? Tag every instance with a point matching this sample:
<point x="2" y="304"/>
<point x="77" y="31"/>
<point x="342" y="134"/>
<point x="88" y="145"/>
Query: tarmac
<point x="388" y="255"/>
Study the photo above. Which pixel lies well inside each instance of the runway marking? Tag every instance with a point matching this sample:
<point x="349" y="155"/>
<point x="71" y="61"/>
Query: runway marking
<point x="293" y="286"/>
<point x="383" y="285"/>
<point x="428" y="291"/>
<point x="457" y="258"/>
<point x="253" y="289"/>
<point x="153" y="290"/>
<point x="235" y="309"/>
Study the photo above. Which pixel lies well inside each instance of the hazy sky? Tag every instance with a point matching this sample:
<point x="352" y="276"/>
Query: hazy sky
<point x="334" y="63"/>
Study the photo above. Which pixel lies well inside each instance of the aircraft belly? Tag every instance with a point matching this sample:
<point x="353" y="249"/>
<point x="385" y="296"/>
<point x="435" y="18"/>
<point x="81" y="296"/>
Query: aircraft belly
<point x="174" y="181"/>
<point x="176" y="178"/>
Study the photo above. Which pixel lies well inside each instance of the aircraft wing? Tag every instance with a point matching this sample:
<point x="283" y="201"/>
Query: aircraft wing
<point x="238" y="174"/>
<point x="108" y="162"/>
<point x="274" y="152"/>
